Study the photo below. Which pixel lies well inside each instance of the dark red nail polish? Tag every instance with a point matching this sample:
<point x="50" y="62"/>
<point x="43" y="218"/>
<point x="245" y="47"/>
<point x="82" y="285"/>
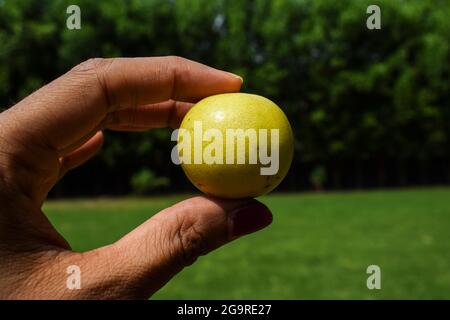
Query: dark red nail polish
<point x="249" y="219"/>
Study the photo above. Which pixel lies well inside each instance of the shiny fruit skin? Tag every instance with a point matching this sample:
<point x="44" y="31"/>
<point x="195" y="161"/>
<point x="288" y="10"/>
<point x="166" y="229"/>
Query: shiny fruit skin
<point x="238" y="111"/>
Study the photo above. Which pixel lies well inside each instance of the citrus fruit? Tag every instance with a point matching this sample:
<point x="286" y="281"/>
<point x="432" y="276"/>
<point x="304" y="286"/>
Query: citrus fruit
<point x="235" y="145"/>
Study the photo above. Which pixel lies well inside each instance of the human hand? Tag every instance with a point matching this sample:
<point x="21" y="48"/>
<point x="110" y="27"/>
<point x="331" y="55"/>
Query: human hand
<point x="59" y="127"/>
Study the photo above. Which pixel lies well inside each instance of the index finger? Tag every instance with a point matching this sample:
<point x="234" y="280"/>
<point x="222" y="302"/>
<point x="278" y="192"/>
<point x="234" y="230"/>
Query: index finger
<point x="73" y="105"/>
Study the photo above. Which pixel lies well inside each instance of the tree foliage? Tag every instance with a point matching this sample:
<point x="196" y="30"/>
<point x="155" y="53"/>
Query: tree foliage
<point x="370" y="107"/>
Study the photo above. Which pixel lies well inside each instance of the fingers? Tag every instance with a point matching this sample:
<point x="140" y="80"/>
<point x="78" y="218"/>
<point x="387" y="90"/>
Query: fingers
<point x="82" y="154"/>
<point x="159" y="115"/>
<point x="137" y="81"/>
<point x="73" y="105"/>
<point x="58" y="118"/>
<point x="164" y="114"/>
<point x="154" y="252"/>
<point x="144" y="260"/>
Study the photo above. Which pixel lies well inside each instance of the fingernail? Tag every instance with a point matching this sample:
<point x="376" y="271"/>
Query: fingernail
<point x="236" y="76"/>
<point x="249" y="219"/>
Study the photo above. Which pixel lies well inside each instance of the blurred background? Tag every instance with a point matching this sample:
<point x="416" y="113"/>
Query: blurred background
<point x="370" y="110"/>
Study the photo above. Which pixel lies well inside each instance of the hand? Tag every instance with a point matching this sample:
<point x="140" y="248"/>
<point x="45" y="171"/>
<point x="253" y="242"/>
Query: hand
<point x="58" y="128"/>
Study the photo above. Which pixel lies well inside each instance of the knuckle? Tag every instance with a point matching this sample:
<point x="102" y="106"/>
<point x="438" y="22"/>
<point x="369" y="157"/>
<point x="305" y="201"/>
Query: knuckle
<point x="90" y="65"/>
<point x="192" y="242"/>
<point x="176" y="60"/>
<point x="96" y="69"/>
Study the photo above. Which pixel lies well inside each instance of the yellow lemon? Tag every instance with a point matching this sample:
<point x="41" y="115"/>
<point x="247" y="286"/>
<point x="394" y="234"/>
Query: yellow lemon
<point x="235" y="145"/>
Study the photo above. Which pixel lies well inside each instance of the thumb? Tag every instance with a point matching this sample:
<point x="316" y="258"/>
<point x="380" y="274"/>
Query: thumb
<point x="154" y="252"/>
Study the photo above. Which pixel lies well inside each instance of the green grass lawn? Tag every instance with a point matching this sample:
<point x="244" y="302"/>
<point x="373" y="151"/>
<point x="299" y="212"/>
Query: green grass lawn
<point x="318" y="246"/>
